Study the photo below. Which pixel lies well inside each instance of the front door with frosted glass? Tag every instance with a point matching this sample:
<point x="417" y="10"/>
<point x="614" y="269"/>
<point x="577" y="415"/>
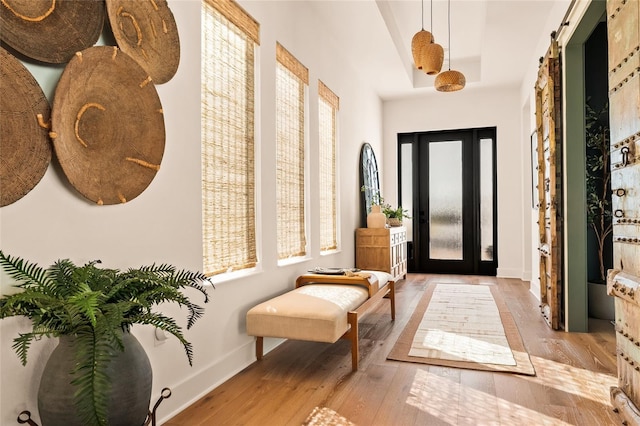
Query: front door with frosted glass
<point x="452" y="195"/>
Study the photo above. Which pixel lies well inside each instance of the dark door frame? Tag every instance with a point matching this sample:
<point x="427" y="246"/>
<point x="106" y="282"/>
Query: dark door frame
<point x="471" y="220"/>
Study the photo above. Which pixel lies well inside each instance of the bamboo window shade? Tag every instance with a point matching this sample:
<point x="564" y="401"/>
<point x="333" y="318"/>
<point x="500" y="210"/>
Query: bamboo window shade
<point x="291" y="80"/>
<point x="238" y="17"/>
<point x="228" y="160"/>
<point x="328" y="104"/>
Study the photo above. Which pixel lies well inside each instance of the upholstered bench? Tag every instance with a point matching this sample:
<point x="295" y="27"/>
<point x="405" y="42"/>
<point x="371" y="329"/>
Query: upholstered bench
<point x="322" y="308"/>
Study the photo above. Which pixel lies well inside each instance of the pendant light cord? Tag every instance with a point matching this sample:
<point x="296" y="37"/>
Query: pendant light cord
<point x="449" y="19"/>
<point x="431" y="16"/>
<point x="422" y="15"/>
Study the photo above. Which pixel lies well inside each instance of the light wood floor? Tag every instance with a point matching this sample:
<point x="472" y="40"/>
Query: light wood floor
<point x="574" y="373"/>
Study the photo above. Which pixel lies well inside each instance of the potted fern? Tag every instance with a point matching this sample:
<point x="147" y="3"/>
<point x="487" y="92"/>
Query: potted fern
<point x="98" y="366"/>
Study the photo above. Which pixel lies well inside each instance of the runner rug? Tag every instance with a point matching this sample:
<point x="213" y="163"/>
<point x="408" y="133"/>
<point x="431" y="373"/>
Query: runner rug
<point x="463" y="326"/>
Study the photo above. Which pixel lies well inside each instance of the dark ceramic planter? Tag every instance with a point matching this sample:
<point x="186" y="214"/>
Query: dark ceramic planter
<point x="130" y="394"/>
<point x="601" y="305"/>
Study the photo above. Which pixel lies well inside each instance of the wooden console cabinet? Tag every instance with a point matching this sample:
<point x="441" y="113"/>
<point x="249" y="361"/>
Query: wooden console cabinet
<point x="382" y="249"/>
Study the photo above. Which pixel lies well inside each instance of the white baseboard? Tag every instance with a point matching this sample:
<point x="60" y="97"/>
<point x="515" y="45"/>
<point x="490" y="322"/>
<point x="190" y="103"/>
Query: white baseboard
<point x="535" y="293"/>
<point x="198" y="385"/>
<point x="509" y="273"/>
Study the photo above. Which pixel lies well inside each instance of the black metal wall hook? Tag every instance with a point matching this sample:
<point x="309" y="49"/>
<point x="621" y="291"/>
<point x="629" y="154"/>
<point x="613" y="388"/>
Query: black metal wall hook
<point x="25" y="417"/>
<point x="151" y="417"/>
<point x="625" y="155"/>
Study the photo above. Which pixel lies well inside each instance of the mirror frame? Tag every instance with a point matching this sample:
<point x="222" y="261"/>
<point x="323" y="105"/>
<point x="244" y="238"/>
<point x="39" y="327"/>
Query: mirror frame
<point x="369" y="178"/>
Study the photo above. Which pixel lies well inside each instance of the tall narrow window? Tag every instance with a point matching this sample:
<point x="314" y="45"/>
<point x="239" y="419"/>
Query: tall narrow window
<point x="328" y="104"/>
<point x="229" y="37"/>
<point x="292" y="79"/>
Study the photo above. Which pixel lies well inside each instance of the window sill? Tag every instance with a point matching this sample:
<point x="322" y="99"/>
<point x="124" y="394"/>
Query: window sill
<point x="293" y="260"/>
<point x="234" y="275"/>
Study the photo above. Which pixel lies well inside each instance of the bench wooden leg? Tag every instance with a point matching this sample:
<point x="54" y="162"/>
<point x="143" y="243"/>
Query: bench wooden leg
<point x="352" y="318"/>
<point x="392" y="299"/>
<point x="391" y="295"/>
<point x="259" y="347"/>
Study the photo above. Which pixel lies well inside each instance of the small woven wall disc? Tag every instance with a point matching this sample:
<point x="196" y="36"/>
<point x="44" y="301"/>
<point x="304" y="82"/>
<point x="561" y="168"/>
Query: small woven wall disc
<point x="51" y="30"/>
<point x="25" y="148"/>
<point x="107" y="125"/>
<point x="147" y="31"/>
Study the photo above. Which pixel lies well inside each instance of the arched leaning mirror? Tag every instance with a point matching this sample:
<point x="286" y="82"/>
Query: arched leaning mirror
<point x="369" y="181"/>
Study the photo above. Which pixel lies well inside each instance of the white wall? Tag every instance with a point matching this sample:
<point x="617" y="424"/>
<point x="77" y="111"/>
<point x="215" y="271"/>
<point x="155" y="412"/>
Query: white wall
<point x="163" y="224"/>
<point x="528" y="198"/>
<point x="471" y="108"/>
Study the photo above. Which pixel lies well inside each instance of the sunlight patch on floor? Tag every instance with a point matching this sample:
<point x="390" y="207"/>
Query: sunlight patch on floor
<point x="423" y="397"/>
<point x="459" y="346"/>
<point x="578" y="381"/>
<point x="443" y="398"/>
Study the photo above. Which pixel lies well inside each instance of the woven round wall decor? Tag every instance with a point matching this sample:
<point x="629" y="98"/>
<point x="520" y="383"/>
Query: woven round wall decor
<point x="147" y="31"/>
<point x="51" y="31"/>
<point x="25" y="148"/>
<point x="107" y="125"/>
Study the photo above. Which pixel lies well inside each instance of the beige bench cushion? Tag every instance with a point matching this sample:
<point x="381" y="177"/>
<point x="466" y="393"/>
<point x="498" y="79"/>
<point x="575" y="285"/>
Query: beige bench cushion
<point x="373" y="280"/>
<point x="383" y="277"/>
<point x="313" y="312"/>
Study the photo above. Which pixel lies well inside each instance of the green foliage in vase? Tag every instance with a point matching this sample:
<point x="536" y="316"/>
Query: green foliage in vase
<point x="386" y="208"/>
<point x="373" y="194"/>
<point x="598" y="179"/>
<point x="96" y="306"/>
<point x="398" y="213"/>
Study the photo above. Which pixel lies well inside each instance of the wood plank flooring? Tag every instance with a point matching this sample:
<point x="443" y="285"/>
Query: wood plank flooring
<point x="571" y="387"/>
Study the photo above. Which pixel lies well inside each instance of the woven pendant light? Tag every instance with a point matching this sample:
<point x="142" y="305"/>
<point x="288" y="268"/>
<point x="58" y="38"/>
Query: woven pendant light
<point x="450" y="81"/>
<point x="433" y="59"/>
<point x="427" y="55"/>
<point x="433" y="53"/>
<point x="419" y="42"/>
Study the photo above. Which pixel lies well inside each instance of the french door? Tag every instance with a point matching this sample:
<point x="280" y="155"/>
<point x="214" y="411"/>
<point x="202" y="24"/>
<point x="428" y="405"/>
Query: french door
<point x="447" y="180"/>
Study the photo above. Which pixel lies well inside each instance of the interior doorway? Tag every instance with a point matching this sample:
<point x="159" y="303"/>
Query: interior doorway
<point x="575" y="247"/>
<point x="448" y="183"/>
<point x="598" y="175"/>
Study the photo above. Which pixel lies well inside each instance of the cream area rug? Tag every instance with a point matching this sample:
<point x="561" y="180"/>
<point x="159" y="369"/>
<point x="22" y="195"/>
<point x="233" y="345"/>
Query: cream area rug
<point x="464" y="326"/>
<point x="324" y="416"/>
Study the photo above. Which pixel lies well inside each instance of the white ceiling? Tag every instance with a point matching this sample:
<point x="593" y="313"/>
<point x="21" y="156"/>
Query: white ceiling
<point x="492" y="41"/>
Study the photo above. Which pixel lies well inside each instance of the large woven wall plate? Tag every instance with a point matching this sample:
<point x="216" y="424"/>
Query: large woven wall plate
<point x="107" y="125"/>
<point x="51" y="31"/>
<point x="25" y="148"/>
<point x="147" y="31"/>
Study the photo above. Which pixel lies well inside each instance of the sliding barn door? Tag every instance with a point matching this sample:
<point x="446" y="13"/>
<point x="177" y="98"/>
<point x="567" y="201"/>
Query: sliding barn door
<point x="549" y="149"/>
<point x="623" y="23"/>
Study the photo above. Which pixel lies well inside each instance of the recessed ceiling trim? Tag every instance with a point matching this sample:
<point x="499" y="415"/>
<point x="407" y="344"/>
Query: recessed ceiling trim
<point x="390" y="21"/>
